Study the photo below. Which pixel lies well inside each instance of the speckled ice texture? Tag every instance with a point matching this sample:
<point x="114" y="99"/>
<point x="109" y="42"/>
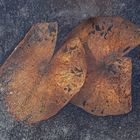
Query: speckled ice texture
<point x="72" y="123"/>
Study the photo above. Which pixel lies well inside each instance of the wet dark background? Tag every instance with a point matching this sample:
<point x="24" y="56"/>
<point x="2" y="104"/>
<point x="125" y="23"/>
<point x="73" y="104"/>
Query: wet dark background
<point x="72" y="123"/>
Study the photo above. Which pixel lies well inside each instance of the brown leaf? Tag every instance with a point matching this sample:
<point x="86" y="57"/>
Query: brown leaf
<point x="107" y="89"/>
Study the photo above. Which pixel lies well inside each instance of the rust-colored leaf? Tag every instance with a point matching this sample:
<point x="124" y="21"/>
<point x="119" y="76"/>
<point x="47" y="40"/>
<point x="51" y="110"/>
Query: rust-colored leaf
<point x="34" y="91"/>
<point x="107" y="90"/>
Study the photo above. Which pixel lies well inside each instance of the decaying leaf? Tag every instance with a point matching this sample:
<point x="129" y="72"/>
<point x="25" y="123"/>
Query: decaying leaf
<point x="34" y="91"/>
<point x="23" y="70"/>
<point x="107" y="90"/>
